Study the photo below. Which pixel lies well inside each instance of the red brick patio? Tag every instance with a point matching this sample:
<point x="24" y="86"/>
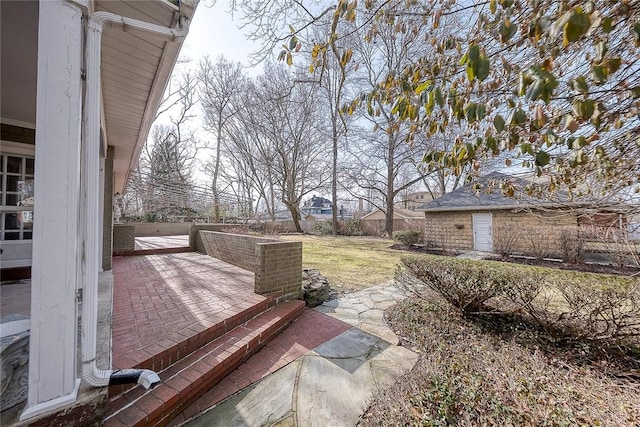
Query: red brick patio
<point x="159" y="301"/>
<point x="195" y="319"/>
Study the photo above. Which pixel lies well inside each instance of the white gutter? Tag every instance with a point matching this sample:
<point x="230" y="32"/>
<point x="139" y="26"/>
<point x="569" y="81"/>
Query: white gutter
<point x="90" y="193"/>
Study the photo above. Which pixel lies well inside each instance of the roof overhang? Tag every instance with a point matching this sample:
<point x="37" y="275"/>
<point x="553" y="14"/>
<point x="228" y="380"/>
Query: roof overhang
<point x="482" y="208"/>
<point x="136" y="68"/>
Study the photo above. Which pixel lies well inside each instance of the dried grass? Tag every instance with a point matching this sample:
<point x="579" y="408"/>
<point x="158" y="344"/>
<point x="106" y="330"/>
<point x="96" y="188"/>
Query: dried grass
<point x="466" y="377"/>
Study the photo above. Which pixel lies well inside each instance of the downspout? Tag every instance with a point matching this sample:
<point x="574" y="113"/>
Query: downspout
<point x="90" y="194"/>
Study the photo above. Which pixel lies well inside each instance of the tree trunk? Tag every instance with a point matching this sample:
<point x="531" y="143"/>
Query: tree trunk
<point x="216" y="169"/>
<point x="388" y="223"/>
<point x="295" y="215"/>
<point x="334" y="180"/>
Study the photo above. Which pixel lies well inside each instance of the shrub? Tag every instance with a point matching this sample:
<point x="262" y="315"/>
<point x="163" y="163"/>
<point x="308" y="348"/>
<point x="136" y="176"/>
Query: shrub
<point x="352" y="228"/>
<point x="465" y="284"/>
<point x="506" y="238"/>
<point x="618" y="244"/>
<point x="538" y="241"/>
<point x="594" y="311"/>
<point x="322" y="228"/>
<point x="467" y="378"/>
<point x="407" y="237"/>
<point x="567" y="309"/>
<point x="240" y="229"/>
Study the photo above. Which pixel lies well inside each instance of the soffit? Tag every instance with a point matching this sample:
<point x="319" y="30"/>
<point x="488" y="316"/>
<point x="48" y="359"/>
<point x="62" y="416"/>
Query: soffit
<point x="135" y="70"/>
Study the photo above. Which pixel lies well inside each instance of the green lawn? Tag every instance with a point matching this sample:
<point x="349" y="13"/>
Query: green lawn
<point x="350" y="263"/>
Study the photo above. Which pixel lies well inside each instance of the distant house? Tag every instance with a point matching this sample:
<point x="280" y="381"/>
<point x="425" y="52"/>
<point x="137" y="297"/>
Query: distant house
<point x="478" y="217"/>
<point x="398" y="213"/>
<point x="320" y="209"/>
<point x="413" y="201"/>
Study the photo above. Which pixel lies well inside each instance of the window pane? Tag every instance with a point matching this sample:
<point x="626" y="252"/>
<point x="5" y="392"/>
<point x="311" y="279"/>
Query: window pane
<point x="29" y="169"/>
<point x="11" y="221"/>
<point x="11" y="200"/>
<point x="12" y="182"/>
<point x="1" y="163"/>
<point x="14" y="164"/>
<point x="12" y="235"/>
<point x="26" y="192"/>
<point x="27" y="220"/>
<point x="27" y="235"/>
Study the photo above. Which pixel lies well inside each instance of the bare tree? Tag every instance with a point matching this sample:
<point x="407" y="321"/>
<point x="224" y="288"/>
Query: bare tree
<point x="289" y="120"/>
<point x="381" y="160"/>
<point x="332" y="67"/>
<point x="161" y="183"/>
<point x="220" y="85"/>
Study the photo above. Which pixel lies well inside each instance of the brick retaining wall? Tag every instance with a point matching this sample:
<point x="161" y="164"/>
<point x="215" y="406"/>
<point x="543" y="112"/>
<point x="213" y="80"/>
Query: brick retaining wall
<point x="195" y="241"/>
<point x="277" y="265"/>
<point x="124" y="237"/>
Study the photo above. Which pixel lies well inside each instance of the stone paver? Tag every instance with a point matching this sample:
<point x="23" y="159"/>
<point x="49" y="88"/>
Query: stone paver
<point x="330" y="385"/>
<point x="291" y="344"/>
<point x="365" y="309"/>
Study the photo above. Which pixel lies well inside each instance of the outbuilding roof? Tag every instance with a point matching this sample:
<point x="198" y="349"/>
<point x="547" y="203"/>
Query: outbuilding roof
<point x="484" y="194"/>
<point x="398" y="213"/>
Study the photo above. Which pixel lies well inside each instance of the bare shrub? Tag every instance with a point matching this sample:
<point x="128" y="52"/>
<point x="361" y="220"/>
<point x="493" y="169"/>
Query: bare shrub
<point x="538" y="242"/>
<point x="466" y="285"/>
<point x="618" y="244"/>
<point x="594" y="311"/>
<point x="528" y="293"/>
<point x="407" y="237"/>
<point x="467" y="378"/>
<point x="240" y="229"/>
<point x="439" y="239"/>
<point x="574" y="310"/>
<point x="506" y="239"/>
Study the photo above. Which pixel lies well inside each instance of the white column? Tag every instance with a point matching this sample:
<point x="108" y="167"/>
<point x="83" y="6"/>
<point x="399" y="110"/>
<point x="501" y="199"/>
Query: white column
<point x="53" y="381"/>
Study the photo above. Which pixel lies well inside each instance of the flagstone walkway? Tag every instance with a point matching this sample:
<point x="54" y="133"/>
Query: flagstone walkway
<point x="330" y="384"/>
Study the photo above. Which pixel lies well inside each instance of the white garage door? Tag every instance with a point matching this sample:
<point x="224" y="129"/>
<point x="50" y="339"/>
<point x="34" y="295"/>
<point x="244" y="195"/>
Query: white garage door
<point x="482" y="232"/>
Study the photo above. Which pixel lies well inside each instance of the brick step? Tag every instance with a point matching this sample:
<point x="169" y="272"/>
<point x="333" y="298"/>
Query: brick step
<point x="192" y="376"/>
<point x="158" y="360"/>
<point x="154" y="251"/>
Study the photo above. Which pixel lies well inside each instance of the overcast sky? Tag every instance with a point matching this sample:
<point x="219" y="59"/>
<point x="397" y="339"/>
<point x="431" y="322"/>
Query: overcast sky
<point x="214" y="32"/>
